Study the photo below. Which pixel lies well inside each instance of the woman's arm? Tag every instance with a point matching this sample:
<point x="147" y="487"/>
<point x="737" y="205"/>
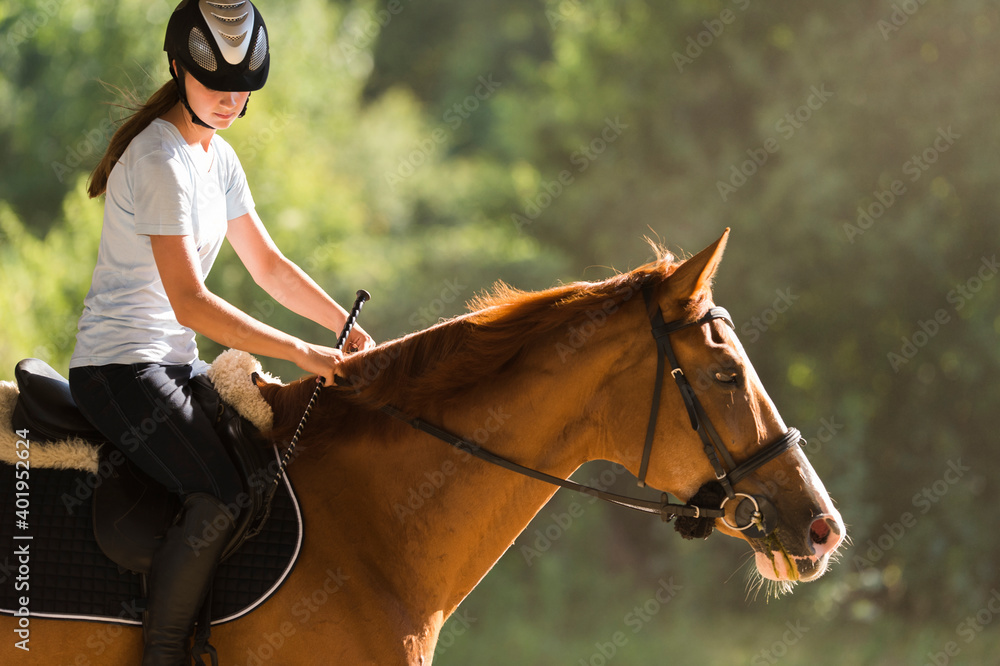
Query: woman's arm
<point x="201" y="310"/>
<point x="284" y="281"/>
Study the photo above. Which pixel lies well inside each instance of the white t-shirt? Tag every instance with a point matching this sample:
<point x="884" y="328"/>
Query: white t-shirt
<point x="160" y="186"/>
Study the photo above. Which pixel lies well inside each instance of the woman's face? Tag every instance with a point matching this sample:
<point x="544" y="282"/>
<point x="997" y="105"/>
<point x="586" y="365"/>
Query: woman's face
<point x="218" y="109"/>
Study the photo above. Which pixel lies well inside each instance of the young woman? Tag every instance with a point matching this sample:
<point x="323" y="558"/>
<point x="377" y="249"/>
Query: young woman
<point x="174" y="190"/>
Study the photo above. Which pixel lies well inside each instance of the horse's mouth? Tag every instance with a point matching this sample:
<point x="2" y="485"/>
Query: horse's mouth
<point x="775" y="563"/>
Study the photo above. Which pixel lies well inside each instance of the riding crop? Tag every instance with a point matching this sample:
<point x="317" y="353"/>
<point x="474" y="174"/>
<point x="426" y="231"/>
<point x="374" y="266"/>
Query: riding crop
<point x="362" y="297"/>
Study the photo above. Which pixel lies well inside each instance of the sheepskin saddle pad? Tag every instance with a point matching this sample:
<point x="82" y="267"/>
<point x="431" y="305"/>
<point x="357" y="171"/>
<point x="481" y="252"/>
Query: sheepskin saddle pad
<point x="78" y="522"/>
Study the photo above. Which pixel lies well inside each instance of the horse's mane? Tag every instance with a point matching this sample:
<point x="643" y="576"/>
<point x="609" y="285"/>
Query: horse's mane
<point x="437" y="364"/>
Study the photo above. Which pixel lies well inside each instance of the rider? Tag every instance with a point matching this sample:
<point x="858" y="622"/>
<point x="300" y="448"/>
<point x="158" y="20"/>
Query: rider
<point x="174" y="190"/>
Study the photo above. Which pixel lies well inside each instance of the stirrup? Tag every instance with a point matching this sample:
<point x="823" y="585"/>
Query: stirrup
<point x="203" y="634"/>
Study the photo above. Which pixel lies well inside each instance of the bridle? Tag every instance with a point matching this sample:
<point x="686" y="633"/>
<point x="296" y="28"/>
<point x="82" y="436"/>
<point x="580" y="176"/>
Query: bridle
<point x="754" y="515"/>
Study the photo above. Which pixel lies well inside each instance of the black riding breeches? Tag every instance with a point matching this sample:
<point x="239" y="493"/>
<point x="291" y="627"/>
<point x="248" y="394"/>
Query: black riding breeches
<point x="147" y="410"/>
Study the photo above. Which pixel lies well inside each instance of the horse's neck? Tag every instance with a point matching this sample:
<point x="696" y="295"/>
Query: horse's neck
<point x="480" y="508"/>
<point x="437" y="518"/>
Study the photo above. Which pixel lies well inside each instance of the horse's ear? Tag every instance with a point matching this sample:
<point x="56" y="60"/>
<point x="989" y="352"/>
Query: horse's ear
<point x="693" y="278"/>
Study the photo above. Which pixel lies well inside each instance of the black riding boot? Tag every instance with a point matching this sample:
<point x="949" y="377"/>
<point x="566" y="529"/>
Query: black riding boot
<point x="180" y="578"/>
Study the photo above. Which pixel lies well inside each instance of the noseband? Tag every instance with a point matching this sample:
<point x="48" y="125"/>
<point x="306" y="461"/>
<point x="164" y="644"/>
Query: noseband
<point x="754" y="515"/>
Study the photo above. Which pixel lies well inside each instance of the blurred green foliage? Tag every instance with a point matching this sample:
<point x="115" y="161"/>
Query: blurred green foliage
<point x="423" y="150"/>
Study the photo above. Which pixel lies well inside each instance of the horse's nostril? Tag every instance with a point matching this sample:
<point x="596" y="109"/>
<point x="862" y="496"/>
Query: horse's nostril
<point x="820" y="530"/>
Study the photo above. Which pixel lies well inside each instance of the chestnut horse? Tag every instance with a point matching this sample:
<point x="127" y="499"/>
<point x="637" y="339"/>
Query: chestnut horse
<point x="400" y="526"/>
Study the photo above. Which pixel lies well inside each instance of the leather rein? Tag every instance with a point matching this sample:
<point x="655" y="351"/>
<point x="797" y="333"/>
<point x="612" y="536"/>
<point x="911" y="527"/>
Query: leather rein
<point x="754" y="514"/>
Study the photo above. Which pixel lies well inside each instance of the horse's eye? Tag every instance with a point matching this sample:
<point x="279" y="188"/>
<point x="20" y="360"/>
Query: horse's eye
<point x="728" y="378"/>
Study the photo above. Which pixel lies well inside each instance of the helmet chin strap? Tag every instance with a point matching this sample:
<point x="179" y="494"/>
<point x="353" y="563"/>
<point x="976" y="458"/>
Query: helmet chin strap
<point x="182" y="93"/>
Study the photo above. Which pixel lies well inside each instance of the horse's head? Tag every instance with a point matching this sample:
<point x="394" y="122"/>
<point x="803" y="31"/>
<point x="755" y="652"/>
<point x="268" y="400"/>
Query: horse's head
<point x="799" y="528"/>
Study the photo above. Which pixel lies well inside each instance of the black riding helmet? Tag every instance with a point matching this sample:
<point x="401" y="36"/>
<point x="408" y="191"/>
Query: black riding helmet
<point x="223" y="45"/>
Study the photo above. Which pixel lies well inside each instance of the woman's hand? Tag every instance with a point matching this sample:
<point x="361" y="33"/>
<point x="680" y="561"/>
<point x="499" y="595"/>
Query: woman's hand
<point x="358" y="340"/>
<point x="321" y="361"/>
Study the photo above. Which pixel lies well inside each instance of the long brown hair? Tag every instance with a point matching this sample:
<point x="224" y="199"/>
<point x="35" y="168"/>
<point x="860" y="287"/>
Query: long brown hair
<point x="158" y="103"/>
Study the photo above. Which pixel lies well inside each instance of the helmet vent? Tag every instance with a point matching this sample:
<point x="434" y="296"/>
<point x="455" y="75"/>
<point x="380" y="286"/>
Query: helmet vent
<point x="231" y="19"/>
<point x="226" y="6"/>
<point x="259" y="49"/>
<point x="235" y="40"/>
<point x="201" y="52"/>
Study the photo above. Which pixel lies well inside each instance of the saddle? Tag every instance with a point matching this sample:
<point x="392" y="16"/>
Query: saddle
<point x="130" y="510"/>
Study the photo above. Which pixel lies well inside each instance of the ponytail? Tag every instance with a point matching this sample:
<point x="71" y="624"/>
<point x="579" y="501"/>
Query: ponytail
<point x="159" y="103"/>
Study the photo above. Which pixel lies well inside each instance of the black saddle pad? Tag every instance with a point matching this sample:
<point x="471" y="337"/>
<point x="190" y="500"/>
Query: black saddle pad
<point x="67" y="576"/>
